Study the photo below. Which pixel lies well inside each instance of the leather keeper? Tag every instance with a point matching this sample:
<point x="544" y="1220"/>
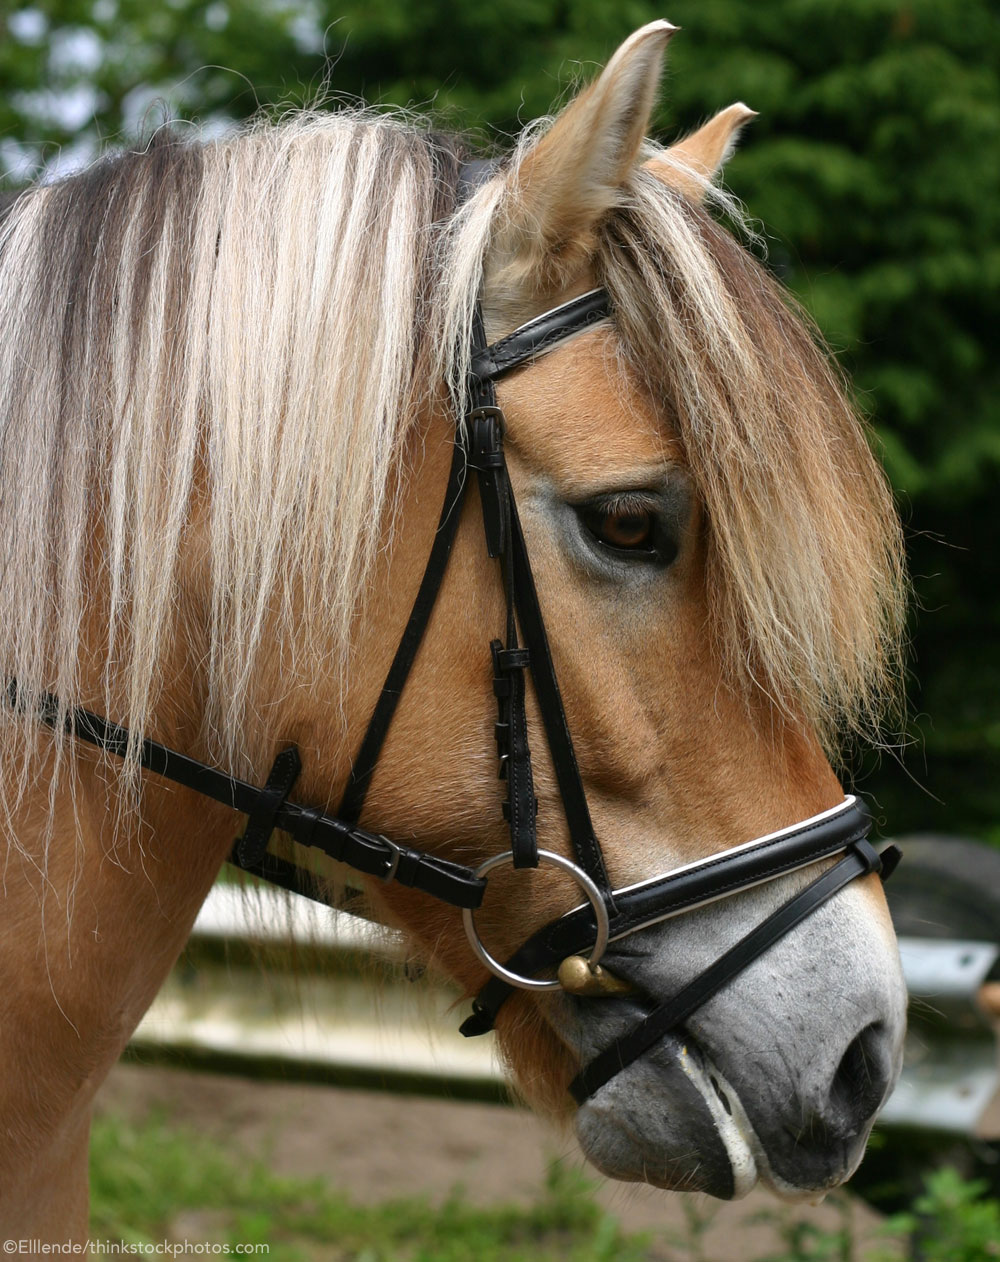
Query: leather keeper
<point x="407" y="866"/>
<point x="487" y="458"/>
<point x="505" y="807"/>
<point x="888" y="861"/>
<point x="251" y="847"/>
<point x="512" y="659"/>
<point x="477" y="1023"/>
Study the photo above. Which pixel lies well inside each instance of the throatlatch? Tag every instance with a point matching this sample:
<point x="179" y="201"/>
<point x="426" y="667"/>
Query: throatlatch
<point x="607" y="915"/>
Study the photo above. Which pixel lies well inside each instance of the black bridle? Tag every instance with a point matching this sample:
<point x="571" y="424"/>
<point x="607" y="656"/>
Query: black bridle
<point x="609" y="914"/>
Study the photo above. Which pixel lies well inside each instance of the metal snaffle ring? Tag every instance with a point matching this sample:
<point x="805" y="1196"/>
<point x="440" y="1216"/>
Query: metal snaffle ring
<point x="589" y="888"/>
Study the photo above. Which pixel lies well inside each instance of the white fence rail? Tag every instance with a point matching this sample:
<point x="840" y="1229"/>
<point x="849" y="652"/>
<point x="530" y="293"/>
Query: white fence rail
<point x="330" y="1024"/>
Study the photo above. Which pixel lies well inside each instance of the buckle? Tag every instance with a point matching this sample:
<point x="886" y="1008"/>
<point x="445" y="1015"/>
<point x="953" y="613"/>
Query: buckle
<point x="486" y="425"/>
<point x="395" y="851"/>
<point x="487" y="411"/>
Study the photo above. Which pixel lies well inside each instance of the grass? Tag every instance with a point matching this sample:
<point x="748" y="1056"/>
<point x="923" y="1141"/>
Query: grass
<point x="155" y="1181"/>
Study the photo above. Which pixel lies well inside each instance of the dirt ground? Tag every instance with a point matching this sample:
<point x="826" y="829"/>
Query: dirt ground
<point x="377" y="1146"/>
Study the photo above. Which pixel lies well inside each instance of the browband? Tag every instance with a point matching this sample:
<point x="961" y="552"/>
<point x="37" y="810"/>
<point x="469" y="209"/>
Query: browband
<point x="489" y="363"/>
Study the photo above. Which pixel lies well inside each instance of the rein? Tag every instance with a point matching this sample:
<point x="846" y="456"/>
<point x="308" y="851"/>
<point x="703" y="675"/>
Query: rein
<point x="608" y="915"/>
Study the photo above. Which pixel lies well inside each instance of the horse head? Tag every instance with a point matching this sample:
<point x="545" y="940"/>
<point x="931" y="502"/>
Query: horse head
<point x="237" y="374"/>
<point x="716" y="557"/>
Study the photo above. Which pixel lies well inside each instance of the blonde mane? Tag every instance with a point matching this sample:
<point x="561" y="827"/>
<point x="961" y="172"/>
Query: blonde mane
<point x="245" y="314"/>
<point x="259" y="316"/>
<point x="805" y="563"/>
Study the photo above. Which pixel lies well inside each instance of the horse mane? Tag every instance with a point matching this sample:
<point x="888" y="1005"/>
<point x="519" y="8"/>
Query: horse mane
<point x="241" y="314"/>
<point x="248" y="315"/>
<point x="806" y="578"/>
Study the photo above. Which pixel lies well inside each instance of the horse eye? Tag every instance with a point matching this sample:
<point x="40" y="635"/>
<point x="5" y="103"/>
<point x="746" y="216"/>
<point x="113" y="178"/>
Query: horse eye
<point x="632" y="531"/>
<point x="625" y="524"/>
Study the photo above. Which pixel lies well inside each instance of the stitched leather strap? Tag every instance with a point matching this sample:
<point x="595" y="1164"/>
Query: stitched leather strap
<point x="511" y="732"/>
<point x="366" y="852"/>
<point x="539" y="335"/>
<point x="650" y="902"/>
<point x="485" y="437"/>
<point x="505" y="538"/>
<point x="484" y="433"/>
<point x="860" y="860"/>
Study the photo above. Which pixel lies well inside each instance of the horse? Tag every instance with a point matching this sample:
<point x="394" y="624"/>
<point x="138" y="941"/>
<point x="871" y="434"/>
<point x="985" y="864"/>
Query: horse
<point x="234" y="372"/>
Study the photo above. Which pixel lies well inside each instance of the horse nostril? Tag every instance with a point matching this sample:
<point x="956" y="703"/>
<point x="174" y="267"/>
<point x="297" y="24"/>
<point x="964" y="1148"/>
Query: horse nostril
<point x="860" y="1082"/>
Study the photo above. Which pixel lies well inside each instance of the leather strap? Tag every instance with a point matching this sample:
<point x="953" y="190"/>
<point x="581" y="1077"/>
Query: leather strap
<point x="505" y="540"/>
<point x="663" y="897"/>
<point x="511" y="731"/>
<point x="484" y="433"/>
<point x="860" y="860"/>
<point x="539" y="335"/>
<point x="543" y="675"/>
<point x="423" y="606"/>
<point x="287" y="876"/>
<point x="366" y="852"/>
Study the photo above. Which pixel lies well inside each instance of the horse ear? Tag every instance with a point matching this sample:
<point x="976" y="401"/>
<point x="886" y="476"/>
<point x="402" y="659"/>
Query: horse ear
<point x="692" y="164"/>
<point x="575" y="172"/>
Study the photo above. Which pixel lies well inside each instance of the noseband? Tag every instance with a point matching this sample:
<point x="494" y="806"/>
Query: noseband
<point x="608" y="914"/>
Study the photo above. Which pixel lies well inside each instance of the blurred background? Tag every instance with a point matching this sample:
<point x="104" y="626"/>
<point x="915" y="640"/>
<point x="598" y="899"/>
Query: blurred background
<point x="874" y="167"/>
<point x="874" y="170"/>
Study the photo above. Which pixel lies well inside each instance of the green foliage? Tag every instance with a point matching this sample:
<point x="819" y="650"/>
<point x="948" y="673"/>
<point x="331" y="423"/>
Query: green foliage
<point x="804" y="1241"/>
<point x="155" y="1181"/>
<point x="951" y="1222"/>
<point x="874" y="165"/>
<point x="201" y="58"/>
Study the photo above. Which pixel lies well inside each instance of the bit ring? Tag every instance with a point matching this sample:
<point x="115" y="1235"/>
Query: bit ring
<point x="594" y="897"/>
